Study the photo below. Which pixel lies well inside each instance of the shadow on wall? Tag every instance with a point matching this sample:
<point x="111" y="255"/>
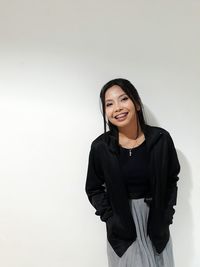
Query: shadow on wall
<point x="183" y="231"/>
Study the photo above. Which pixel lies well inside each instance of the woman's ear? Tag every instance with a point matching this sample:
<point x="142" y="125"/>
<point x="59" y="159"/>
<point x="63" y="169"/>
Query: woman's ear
<point x="137" y="107"/>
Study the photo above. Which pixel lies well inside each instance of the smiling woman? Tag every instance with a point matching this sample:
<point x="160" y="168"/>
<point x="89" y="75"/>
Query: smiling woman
<point x="132" y="181"/>
<point x="118" y="105"/>
<point x="121" y="111"/>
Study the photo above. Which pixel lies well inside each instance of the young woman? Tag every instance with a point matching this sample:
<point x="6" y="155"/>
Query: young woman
<point x="132" y="181"/>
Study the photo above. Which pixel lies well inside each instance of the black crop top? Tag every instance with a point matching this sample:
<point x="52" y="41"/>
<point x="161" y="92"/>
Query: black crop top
<point x="134" y="169"/>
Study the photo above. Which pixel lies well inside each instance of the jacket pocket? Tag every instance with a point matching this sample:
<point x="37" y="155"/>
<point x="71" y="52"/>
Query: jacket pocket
<point x="168" y="215"/>
<point x="112" y="226"/>
<point x="109" y="224"/>
<point x="157" y="225"/>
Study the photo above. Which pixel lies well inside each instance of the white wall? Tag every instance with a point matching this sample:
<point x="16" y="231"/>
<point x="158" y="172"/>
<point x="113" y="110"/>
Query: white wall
<point x="54" y="58"/>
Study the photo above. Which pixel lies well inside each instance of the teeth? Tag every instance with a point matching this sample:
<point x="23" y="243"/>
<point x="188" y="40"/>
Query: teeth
<point x="121" y="115"/>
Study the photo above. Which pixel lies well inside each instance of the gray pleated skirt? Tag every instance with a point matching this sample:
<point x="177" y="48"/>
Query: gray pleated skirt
<point x="141" y="253"/>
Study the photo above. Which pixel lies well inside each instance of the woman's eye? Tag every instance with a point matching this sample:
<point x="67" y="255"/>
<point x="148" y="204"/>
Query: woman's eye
<point x="108" y="105"/>
<point x="123" y="99"/>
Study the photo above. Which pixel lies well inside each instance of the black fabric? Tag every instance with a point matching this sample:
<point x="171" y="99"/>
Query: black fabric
<point x="134" y="170"/>
<point x="107" y="192"/>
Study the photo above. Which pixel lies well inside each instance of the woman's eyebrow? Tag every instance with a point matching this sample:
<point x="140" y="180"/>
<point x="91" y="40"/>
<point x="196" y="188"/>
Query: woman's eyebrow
<point x="111" y="99"/>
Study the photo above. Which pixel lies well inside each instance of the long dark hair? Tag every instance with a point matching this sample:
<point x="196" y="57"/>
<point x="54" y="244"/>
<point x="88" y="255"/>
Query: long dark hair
<point x="131" y="91"/>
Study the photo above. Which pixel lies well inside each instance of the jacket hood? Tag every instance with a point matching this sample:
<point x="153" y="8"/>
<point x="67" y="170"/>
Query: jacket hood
<point x="151" y="133"/>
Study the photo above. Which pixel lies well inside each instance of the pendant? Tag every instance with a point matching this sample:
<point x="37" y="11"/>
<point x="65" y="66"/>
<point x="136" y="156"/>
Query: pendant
<point x="130" y="152"/>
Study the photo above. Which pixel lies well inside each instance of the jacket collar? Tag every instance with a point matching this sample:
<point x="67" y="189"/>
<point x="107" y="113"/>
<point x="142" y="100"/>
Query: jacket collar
<point x="151" y="133"/>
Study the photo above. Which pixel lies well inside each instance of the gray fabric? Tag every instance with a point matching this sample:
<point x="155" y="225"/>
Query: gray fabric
<point x="141" y="253"/>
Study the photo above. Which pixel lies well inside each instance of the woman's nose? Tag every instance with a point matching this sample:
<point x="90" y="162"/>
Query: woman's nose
<point x="117" y="107"/>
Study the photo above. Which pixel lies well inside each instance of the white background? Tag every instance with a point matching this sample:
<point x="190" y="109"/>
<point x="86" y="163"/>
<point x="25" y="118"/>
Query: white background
<point x="54" y="58"/>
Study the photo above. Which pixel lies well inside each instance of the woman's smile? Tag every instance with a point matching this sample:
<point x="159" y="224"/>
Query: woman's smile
<point x="121" y="116"/>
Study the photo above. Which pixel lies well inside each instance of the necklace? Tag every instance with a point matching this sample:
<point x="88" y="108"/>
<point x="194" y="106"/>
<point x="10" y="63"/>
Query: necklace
<point x="130" y="150"/>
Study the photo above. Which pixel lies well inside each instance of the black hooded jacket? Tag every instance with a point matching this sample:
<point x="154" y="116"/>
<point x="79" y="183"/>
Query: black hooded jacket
<point x="107" y="193"/>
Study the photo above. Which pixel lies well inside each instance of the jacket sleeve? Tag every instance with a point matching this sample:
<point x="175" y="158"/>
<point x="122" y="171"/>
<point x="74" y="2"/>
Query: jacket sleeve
<point x="173" y="171"/>
<point x="95" y="188"/>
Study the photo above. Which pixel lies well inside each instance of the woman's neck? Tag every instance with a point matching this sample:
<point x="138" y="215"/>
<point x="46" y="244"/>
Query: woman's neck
<point x="130" y="133"/>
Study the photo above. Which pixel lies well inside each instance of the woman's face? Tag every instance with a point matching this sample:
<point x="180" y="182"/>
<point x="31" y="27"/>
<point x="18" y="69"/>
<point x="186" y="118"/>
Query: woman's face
<point x="119" y="108"/>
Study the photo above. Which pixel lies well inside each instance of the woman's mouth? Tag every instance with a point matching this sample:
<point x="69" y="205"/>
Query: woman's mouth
<point x="121" y="116"/>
